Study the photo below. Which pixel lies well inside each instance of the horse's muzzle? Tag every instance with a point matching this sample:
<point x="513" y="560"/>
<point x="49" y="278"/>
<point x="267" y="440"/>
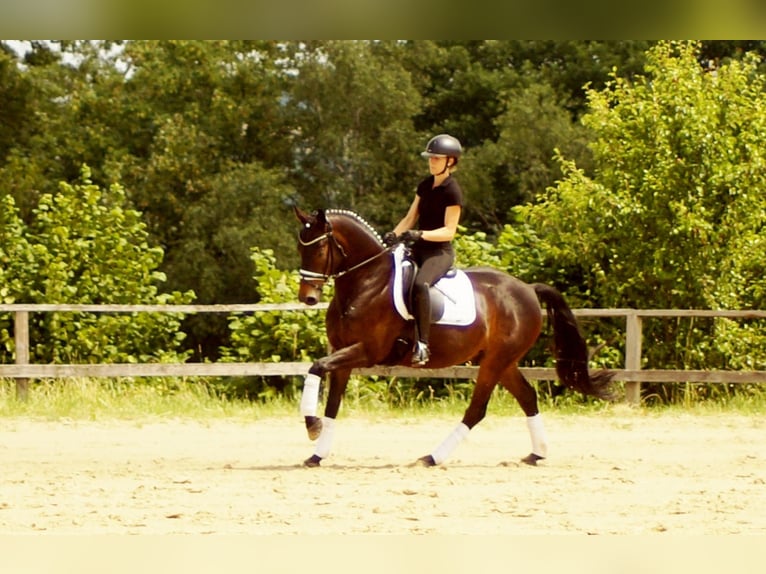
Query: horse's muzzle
<point x="309" y="294"/>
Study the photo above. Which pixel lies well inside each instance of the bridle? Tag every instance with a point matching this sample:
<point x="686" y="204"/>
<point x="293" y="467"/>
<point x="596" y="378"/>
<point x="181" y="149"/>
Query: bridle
<point x="307" y="275"/>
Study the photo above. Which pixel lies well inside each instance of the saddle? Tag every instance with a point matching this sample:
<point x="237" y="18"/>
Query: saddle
<point x="452" y="297"/>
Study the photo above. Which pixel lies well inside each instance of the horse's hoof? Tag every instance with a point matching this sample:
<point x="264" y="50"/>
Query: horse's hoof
<point x="313" y="461"/>
<point x="427" y="461"/>
<point x="314" y="427"/>
<point x="532" y="458"/>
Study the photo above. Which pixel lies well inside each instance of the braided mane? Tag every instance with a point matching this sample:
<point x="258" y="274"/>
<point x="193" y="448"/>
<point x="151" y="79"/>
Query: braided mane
<point x="358" y="218"/>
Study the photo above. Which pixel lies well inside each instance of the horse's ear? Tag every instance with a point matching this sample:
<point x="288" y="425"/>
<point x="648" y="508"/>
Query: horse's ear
<point x="302" y="216"/>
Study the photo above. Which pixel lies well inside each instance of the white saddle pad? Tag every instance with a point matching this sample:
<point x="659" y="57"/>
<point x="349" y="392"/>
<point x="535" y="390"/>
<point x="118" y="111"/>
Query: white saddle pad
<point x="459" y="299"/>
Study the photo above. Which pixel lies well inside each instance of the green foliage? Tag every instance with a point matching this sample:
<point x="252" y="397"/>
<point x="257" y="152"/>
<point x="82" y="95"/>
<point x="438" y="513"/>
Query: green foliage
<point x="15" y="260"/>
<point x="15" y="252"/>
<point x="274" y="336"/>
<point x="671" y="218"/>
<point x="353" y="104"/>
<point x="15" y="95"/>
<point x="641" y="166"/>
<point x="516" y="167"/>
<point x="277" y="335"/>
<point x="244" y="208"/>
<point x="212" y="139"/>
<point x="85" y="247"/>
<point x="474" y="250"/>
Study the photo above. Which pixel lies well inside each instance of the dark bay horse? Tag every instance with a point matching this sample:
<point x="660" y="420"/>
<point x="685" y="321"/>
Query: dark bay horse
<point x="364" y="330"/>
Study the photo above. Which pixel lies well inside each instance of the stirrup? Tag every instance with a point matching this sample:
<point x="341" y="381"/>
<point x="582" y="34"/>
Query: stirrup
<point x="421" y="354"/>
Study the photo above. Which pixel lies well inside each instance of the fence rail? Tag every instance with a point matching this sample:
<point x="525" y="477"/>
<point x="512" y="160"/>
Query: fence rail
<point x="631" y="374"/>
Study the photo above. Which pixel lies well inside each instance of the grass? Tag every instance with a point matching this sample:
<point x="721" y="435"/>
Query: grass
<point x="93" y="399"/>
<point x="128" y="399"/>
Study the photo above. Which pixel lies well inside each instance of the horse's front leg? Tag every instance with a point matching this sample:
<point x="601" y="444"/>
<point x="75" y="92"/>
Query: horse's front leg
<point x="326" y="425"/>
<point x="339" y="364"/>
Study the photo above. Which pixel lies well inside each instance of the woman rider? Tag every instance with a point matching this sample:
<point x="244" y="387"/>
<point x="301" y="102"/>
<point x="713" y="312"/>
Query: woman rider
<point x="436" y="210"/>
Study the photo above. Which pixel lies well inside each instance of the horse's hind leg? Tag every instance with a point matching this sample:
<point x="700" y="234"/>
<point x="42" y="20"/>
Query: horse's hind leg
<point x="514" y="382"/>
<point x="477" y="409"/>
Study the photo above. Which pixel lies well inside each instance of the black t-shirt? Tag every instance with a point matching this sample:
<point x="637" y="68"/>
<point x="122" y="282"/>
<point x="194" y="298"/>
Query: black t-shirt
<point x="434" y="202"/>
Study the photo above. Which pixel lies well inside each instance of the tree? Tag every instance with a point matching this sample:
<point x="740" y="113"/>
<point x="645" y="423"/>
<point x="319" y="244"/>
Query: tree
<point x="511" y="103"/>
<point x="207" y="145"/>
<point x="85" y="246"/>
<point x="352" y="105"/>
<point x="15" y="95"/>
<point x="213" y="140"/>
<point x="520" y="163"/>
<point x="671" y="218"/>
<point x="16" y="262"/>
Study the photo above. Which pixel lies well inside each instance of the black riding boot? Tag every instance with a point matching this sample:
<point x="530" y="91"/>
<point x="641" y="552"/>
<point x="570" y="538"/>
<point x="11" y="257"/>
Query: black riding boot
<point x="422" y="313"/>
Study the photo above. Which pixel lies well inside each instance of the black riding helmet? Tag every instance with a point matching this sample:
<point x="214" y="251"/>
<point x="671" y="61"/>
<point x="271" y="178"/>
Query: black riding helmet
<point x="443" y="145"/>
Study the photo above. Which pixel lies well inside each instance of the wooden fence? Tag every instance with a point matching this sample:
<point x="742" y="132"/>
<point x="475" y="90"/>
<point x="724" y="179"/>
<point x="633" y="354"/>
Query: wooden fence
<point x="631" y="374"/>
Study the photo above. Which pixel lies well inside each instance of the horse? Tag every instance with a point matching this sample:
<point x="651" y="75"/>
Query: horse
<point x="364" y="330"/>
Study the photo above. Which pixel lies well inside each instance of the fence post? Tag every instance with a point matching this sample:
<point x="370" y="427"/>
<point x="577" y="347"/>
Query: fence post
<point x="21" y="338"/>
<point x="633" y="356"/>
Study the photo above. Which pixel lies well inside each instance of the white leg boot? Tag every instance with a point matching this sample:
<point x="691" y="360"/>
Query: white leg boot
<point x="324" y="443"/>
<point x="450" y="443"/>
<point x="310" y="396"/>
<point x="538" y="436"/>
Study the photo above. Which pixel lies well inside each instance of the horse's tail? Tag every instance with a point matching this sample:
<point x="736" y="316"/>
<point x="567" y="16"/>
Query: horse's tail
<point x="570" y="349"/>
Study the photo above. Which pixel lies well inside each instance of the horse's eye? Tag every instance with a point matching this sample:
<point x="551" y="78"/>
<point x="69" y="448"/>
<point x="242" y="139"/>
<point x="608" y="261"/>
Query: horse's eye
<point x="308" y="226"/>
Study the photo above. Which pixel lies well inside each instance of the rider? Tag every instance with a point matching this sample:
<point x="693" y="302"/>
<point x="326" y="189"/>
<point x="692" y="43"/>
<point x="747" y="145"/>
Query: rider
<point x="436" y="209"/>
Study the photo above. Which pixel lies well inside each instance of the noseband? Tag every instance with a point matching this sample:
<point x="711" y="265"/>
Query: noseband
<point x="307" y="275"/>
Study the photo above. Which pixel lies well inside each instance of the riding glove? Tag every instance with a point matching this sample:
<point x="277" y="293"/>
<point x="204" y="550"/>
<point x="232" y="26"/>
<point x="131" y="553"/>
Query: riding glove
<point x="389" y="239"/>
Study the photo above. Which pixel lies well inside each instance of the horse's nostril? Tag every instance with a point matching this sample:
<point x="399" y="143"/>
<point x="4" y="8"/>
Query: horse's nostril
<point x="311" y="300"/>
